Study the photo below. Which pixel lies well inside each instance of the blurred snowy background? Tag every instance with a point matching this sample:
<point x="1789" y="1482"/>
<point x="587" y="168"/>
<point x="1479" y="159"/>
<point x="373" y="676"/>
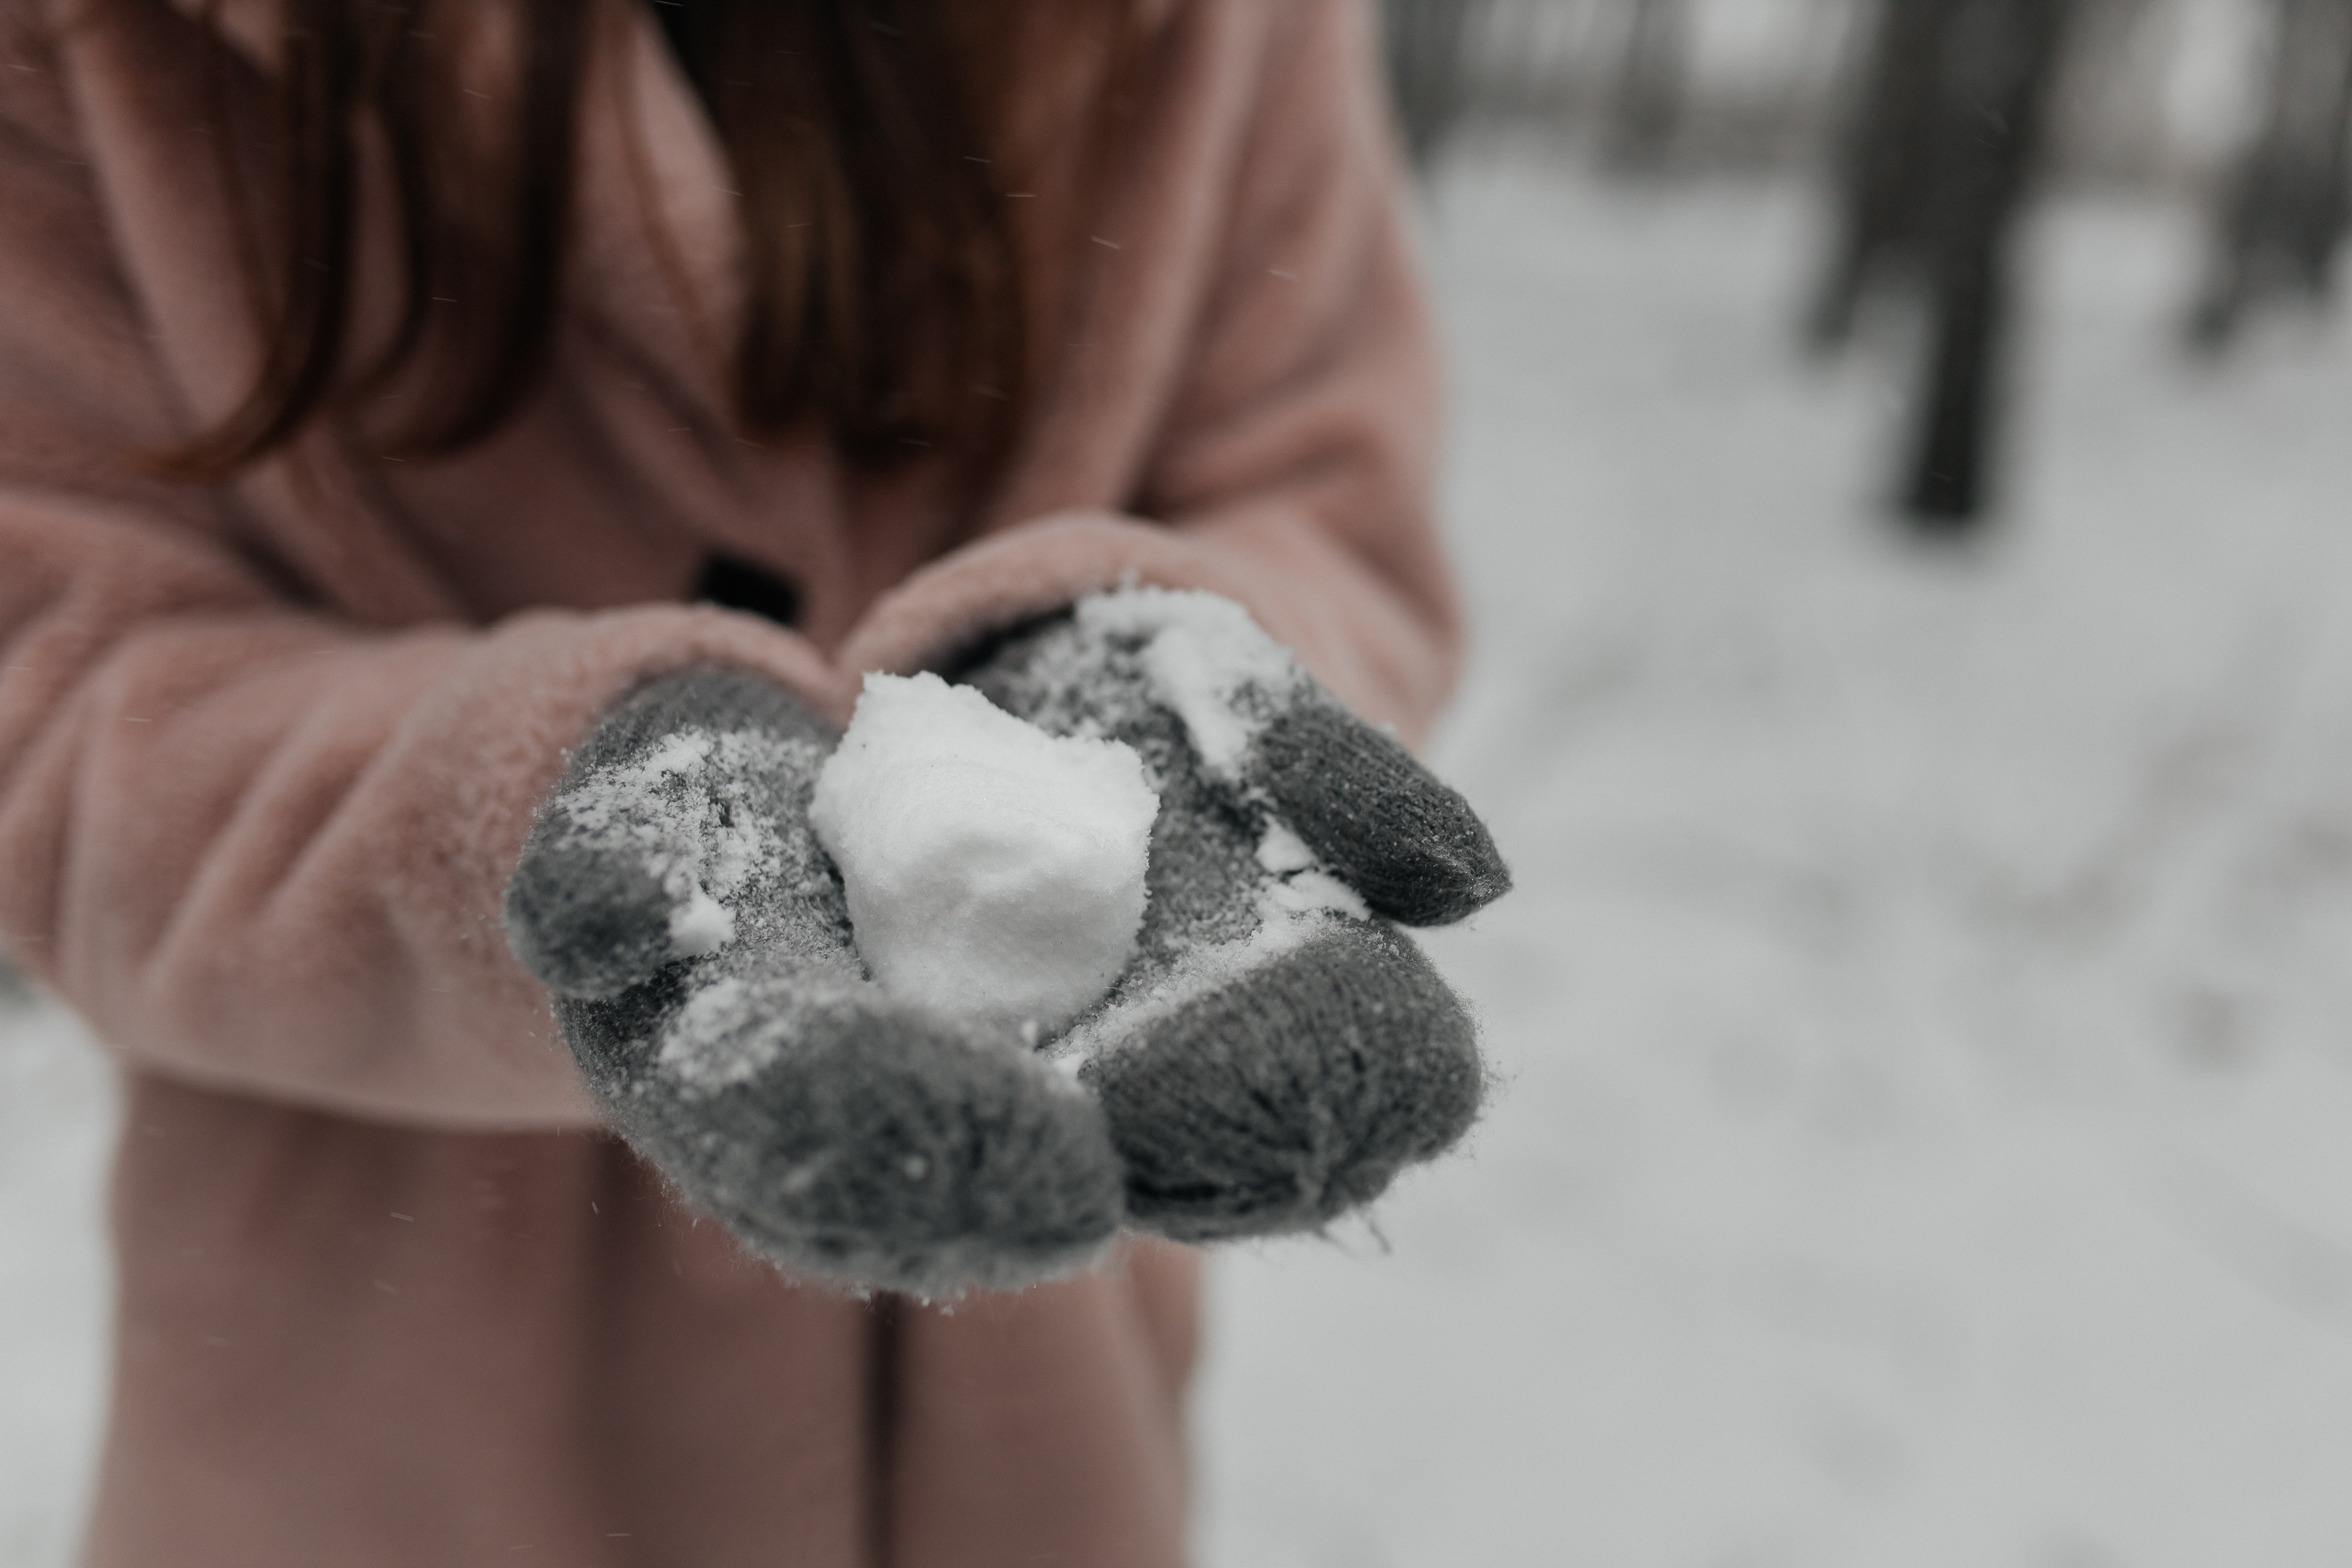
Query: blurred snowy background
<point x="1925" y="1134"/>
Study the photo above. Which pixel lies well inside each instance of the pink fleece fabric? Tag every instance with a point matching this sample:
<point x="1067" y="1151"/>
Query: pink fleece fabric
<point x="267" y="752"/>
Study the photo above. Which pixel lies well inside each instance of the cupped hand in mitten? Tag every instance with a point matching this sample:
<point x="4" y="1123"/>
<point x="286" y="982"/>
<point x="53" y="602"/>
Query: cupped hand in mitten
<point x="697" y="942"/>
<point x="1279" y="1050"/>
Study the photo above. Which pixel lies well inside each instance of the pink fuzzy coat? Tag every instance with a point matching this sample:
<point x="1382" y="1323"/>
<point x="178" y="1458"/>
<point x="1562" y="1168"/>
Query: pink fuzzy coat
<point x="388" y="1296"/>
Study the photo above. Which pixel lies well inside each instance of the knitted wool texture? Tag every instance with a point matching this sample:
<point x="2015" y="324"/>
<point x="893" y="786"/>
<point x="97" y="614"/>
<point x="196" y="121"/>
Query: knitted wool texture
<point x="1275" y="1054"/>
<point x="842" y="1135"/>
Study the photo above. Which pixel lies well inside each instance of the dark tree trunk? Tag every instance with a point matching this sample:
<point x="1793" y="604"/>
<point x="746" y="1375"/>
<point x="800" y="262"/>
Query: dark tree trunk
<point x="2283" y="210"/>
<point x="1999" y="57"/>
<point x="1885" y="160"/>
<point x="1646" y="107"/>
<point x="1425" y="42"/>
<point x="1952" y="114"/>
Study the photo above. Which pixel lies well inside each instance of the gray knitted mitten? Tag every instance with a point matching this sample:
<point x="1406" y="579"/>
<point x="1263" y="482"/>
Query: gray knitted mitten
<point x="1278" y="1051"/>
<point x="695" y="937"/>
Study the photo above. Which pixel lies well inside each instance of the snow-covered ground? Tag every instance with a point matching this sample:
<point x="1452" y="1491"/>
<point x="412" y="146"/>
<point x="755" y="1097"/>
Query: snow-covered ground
<point x="57" y="1119"/>
<point x="1927" y="1128"/>
<point x="1925" y="1013"/>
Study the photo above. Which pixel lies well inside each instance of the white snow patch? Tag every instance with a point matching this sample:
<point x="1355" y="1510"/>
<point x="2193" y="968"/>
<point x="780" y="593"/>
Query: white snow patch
<point x="1315" y="892"/>
<point x="695" y="806"/>
<point x="1205" y="659"/>
<point x="994" y="871"/>
<point x="712" y="1041"/>
<point x="1289" y="912"/>
<point x="1303" y="886"/>
<point x="59" y="1107"/>
<point x="701" y="925"/>
<point x="1923" y="1012"/>
<point x="730" y="1032"/>
<point x="1281" y="852"/>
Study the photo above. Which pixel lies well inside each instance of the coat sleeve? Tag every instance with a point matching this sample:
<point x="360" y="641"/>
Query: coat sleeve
<point x="258" y="847"/>
<point x="1291" y="461"/>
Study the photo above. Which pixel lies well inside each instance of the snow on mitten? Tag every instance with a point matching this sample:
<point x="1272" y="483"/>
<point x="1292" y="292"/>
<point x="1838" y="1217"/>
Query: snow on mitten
<point x="696" y="938"/>
<point x="1278" y="1051"/>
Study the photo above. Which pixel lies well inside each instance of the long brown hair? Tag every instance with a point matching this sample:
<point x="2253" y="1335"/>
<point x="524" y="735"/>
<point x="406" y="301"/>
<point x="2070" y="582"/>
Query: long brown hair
<point x="872" y="143"/>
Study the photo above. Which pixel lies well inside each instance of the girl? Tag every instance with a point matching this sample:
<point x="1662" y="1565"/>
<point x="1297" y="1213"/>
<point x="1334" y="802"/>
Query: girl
<point x="391" y="388"/>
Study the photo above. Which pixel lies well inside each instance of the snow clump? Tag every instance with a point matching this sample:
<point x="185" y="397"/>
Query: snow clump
<point x="994" y="873"/>
<point x="1207" y="660"/>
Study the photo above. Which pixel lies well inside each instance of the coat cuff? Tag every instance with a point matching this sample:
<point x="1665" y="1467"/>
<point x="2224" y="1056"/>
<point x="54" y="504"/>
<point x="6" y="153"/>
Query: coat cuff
<point x="942" y="614"/>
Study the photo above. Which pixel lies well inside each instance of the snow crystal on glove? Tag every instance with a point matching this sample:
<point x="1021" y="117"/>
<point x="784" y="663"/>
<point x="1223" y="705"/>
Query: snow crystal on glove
<point x="1207" y="660"/>
<point x="691" y="812"/>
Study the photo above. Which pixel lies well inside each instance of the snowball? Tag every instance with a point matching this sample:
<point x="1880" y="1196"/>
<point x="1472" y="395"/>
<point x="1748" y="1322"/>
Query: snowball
<point x="994" y="871"/>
